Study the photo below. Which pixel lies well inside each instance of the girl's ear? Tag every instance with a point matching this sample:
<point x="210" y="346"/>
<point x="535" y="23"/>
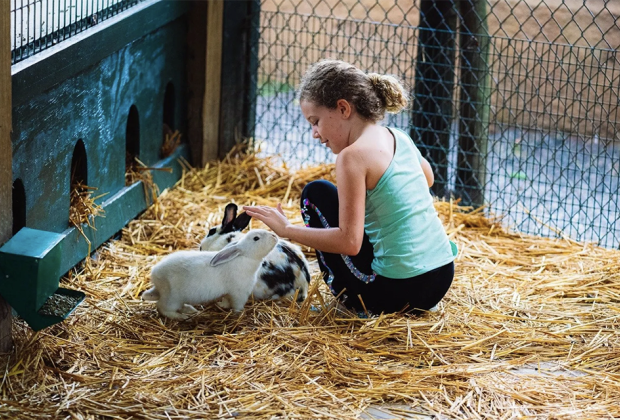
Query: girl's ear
<point x="344" y="107"/>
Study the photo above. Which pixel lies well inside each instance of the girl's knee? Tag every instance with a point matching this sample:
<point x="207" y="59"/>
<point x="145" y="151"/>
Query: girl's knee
<point x="318" y="189"/>
<point x="319" y="204"/>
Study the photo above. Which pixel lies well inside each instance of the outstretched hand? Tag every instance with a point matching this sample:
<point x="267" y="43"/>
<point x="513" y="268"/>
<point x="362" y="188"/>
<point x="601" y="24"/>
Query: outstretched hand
<point x="272" y="217"/>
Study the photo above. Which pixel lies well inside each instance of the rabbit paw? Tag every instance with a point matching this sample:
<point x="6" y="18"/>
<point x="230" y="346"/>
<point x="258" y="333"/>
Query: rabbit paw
<point x="188" y="309"/>
<point x="175" y="315"/>
<point x="224" y="303"/>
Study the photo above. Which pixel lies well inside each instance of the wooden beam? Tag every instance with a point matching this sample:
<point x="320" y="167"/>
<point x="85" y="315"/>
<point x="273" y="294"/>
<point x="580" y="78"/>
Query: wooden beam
<point x="6" y="160"/>
<point x="222" y="70"/>
<point x="196" y="65"/>
<point x="213" y="77"/>
<point x="239" y="61"/>
<point x="204" y="70"/>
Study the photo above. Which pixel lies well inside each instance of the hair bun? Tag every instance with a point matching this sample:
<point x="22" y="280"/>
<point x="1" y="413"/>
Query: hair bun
<point x="375" y="79"/>
<point x="390" y="91"/>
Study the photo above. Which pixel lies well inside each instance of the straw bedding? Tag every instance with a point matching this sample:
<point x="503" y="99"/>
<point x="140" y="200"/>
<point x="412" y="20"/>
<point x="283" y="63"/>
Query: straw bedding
<point x="528" y="330"/>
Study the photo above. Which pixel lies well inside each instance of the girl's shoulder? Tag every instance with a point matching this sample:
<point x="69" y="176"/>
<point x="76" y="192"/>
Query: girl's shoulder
<point x="370" y="156"/>
<point x="377" y="141"/>
<point x="363" y="151"/>
<point x="351" y="156"/>
<point x="369" y="148"/>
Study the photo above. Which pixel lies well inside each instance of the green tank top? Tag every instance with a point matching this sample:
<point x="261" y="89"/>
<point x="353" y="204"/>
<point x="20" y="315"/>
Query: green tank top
<point x="407" y="236"/>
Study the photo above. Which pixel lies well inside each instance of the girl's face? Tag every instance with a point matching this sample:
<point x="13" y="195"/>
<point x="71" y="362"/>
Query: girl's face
<point x="330" y="126"/>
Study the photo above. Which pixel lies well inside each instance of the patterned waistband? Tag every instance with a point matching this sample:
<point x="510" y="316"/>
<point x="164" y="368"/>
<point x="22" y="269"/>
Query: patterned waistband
<point x="366" y="278"/>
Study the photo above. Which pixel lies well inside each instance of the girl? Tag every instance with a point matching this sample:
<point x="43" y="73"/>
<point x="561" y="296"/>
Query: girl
<point x="380" y="244"/>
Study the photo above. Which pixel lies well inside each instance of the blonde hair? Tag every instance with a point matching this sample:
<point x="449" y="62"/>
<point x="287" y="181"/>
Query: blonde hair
<point x="371" y="94"/>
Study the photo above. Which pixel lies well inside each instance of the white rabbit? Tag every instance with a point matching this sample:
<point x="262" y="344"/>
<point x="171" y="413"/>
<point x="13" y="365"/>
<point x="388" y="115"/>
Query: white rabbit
<point x="186" y="278"/>
<point x="283" y="271"/>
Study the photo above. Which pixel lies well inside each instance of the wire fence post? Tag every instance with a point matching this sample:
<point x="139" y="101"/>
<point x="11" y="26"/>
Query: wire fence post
<point x="474" y="102"/>
<point x="434" y="86"/>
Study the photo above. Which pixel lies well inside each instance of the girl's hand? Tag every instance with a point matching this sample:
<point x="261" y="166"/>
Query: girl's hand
<point x="272" y="217"/>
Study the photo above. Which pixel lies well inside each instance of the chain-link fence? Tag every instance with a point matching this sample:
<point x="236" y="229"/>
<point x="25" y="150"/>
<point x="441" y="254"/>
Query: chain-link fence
<point x="516" y="103"/>
<point x="39" y="24"/>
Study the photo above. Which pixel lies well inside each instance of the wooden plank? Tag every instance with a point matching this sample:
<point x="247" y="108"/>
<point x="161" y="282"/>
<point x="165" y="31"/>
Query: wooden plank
<point x="222" y="67"/>
<point x="195" y="67"/>
<point x="213" y="77"/>
<point x="239" y="73"/>
<point x="6" y="161"/>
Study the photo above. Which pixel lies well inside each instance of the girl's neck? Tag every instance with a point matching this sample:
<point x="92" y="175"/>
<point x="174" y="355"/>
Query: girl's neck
<point x="358" y="128"/>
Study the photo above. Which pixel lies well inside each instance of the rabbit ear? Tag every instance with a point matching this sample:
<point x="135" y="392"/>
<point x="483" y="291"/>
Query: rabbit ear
<point x="241" y="222"/>
<point x="229" y="253"/>
<point x="230" y="213"/>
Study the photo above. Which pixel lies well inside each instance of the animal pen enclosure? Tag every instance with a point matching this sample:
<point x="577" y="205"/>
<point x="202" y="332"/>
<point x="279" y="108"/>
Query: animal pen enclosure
<point x="515" y="106"/>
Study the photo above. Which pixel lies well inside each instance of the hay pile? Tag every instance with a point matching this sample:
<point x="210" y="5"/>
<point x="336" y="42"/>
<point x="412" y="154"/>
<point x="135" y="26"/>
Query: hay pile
<point x="529" y="329"/>
<point x="83" y="208"/>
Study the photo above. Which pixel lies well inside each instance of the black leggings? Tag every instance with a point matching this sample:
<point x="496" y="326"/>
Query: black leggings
<point x="319" y="206"/>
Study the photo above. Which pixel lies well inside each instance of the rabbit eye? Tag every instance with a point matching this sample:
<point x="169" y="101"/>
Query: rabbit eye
<point x="211" y="232"/>
<point x="256" y="238"/>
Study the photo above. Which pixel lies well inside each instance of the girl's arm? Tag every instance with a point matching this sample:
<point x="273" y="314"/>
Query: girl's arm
<point x="345" y="239"/>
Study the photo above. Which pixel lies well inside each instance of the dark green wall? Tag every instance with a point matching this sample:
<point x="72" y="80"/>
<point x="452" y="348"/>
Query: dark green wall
<point x="93" y="106"/>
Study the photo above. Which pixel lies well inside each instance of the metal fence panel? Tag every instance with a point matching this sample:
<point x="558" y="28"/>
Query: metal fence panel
<point x="38" y="24"/>
<point x="547" y="155"/>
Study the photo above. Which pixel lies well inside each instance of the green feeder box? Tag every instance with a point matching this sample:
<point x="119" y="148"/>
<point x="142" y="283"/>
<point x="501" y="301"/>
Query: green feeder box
<point x="29" y="277"/>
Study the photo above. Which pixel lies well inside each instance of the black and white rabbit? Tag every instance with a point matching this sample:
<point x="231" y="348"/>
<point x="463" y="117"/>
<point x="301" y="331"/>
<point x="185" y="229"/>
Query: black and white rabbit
<point x="186" y="278"/>
<point x="283" y="271"/>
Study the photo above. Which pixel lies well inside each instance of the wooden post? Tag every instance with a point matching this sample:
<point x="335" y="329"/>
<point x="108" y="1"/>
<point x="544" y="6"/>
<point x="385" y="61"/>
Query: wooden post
<point x="238" y="73"/>
<point x="222" y="69"/>
<point x="6" y="161"/>
<point x="434" y="86"/>
<point x="474" y="103"/>
<point x="204" y="78"/>
<point x="213" y="82"/>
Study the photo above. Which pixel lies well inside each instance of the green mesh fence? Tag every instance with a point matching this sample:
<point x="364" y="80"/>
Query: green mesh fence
<point x="515" y="102"/>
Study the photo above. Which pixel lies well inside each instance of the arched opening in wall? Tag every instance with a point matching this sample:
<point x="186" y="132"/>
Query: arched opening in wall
<point x="171" y="136"/>
<point x="81" y="203"/>
<point x="79" y="169"/>
<point x="19" y="205"/>
<point x="132" y="144"/>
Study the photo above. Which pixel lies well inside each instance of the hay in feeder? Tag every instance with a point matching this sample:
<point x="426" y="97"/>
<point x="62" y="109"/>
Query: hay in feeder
<point x="529" y="329"/>
<point x="138" y="171"/>
<point x="172" y="140"/>
<point x="83" y="207"/>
